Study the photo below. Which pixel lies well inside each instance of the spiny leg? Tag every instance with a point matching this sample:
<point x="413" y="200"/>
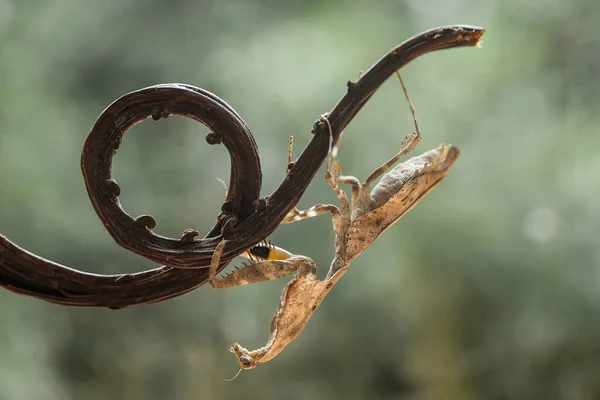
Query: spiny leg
<point x="408" y="144"/>
<point x="254" y="272"/>
<point x="251" y="272"/>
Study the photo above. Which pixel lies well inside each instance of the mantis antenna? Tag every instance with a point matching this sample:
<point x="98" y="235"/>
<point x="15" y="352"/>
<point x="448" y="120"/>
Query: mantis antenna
<point x="410" y="104"/>
<point x="235" y="376"/>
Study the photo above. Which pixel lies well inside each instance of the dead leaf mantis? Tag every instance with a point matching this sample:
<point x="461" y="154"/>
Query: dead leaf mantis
<point x="356" y="225"/>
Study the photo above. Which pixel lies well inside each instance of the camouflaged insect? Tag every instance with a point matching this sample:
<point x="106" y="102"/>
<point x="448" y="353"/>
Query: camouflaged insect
<point x="356" y="226"/>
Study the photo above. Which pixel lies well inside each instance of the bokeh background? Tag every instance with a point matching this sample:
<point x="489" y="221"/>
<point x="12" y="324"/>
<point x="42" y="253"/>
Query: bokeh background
<point x="488" y="289"/>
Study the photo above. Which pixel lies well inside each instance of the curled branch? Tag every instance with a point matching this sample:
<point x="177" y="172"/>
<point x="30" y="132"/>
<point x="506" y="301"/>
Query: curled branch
<point x="245" y="219"/>
<point x="160" y="101"/>
<point x="26" y="273"/>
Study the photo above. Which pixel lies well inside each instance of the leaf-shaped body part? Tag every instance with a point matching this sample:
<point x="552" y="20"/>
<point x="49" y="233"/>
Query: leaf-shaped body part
<point x="396" y="193"/>
<point x="299" y="300"/>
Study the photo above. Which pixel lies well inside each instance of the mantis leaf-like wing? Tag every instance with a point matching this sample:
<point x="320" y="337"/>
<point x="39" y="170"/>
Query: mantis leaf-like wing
<point x="398" y="192"/>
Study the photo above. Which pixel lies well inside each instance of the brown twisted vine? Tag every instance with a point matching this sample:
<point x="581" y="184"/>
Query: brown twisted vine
<point x="245" y="219"/>
<point x="160" y="101"/>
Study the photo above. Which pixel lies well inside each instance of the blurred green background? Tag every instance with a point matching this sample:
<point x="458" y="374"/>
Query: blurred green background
<point x="488" y="289"/>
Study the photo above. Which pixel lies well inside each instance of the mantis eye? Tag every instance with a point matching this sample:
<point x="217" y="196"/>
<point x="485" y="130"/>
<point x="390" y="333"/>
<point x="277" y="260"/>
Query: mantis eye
<point x="247" y="362"/>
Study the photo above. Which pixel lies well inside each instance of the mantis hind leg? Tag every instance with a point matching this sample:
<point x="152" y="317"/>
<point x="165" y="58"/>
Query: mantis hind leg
<point x="408" y="145"/>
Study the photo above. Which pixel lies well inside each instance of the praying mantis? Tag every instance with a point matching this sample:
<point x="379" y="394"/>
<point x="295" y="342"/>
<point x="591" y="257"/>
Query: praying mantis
<point x="356" y="223"/>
